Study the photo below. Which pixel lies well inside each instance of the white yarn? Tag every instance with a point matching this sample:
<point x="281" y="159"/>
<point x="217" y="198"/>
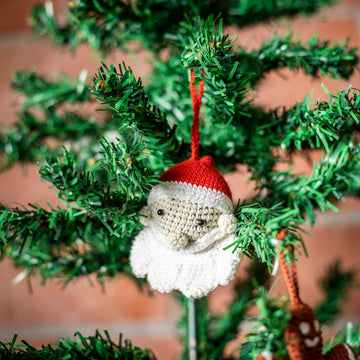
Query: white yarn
<point x="227" y="223"/>
<point x="193" y="271"/>
<point x="179" y="219"/>
<point x="197" y="194"/>
<point x="350" y="352"/>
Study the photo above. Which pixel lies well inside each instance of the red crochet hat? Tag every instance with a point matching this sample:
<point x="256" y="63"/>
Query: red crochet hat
<point x="200" y="172"/>
<point x="195" y="180"/>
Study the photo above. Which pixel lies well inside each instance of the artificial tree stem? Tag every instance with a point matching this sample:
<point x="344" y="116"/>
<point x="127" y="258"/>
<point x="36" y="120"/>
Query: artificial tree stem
<point x="192" y="326"/>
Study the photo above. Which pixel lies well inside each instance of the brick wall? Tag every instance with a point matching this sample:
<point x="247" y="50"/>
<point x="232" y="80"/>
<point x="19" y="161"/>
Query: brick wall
<point x="51" y="312"/>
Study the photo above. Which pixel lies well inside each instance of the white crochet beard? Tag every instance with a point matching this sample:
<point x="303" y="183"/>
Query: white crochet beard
<point x="195" y="271"/>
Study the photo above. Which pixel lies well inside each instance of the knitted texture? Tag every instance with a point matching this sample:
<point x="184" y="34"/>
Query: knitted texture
<point x="341" y="352"/>
<point x="196" y="103"/>
<point x="194" y="273"/>
<point x="194" y="180"/>
<point x="194" y="193"/>
<point x="183" y="221"/>
<point x="200" y="172"/>
<point x="303" y="334"/>
<point x="188" y="223"/>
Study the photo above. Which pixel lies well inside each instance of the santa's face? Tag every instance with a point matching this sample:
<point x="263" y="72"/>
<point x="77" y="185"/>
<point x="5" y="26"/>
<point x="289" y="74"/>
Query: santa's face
<point x="183" y="222"/>
<point x="182" y="247"/>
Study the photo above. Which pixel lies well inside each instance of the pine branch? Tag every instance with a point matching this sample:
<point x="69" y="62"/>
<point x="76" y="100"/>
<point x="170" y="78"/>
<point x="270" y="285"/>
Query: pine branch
<point x="306" y="126"/>
<point x="31" y="139"/>
<point x="226" y="84"/>
<point x="217" y="330"/>
<point x="42" y="93"/>
<point x="336" y="175"/>
<point x="247" y="12"/>
<point x="97" y="221"/>
<point x="91" y="347"/>
<point x="316" y="58"/>
<point x="258" y="226"/>
<point x="47" y="117"/>
<point x="129" y="176"/>
<point x="335" y="284"/>
<point x="124" y="97"/>
<point x="106" y="25"/>
<point x="66" y="243"/>
<point x="302" y="127"/>
<point x="269" y="327"/>
<point x="227" y="142"/>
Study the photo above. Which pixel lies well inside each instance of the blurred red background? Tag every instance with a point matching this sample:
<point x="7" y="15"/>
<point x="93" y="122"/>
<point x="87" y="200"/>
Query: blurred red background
<point x="51" y="312"/>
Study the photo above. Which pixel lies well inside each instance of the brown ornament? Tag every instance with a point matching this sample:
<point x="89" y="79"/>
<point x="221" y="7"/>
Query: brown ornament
<point x="303" y="334"/>
<point x="341" y="352"/>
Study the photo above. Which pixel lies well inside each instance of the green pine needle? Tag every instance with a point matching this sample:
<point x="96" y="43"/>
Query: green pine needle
<point x="90" y="347"/>
<point x="268" y="327"/>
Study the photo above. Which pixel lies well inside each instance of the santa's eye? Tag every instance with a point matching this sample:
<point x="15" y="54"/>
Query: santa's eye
<point x="316" y="325"/>
<point x="304" y="328"/>
<point x="160" y="212"/>
<point x="200" y="222"/>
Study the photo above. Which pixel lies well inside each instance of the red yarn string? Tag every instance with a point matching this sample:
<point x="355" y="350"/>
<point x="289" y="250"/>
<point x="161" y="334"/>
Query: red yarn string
<point x="290" y="279"/>
<point x="196" y="103"/>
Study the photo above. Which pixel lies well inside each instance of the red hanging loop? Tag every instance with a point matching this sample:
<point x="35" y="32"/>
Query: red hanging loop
<point x="291" y="279"/>
<point x="196" y="103"/>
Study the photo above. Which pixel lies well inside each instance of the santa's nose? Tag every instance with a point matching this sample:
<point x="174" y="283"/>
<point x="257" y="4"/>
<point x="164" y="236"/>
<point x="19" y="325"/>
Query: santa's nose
<point x="179" y="240"/>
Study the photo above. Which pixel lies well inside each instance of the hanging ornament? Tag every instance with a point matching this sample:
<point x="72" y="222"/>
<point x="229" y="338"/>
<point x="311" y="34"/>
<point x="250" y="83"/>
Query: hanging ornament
<point x="188" y="222"/>
<point x="303" y="335"/>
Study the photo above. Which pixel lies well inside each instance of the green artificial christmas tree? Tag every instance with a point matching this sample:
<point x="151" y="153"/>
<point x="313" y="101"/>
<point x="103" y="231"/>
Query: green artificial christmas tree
<point x="104" y="170"/>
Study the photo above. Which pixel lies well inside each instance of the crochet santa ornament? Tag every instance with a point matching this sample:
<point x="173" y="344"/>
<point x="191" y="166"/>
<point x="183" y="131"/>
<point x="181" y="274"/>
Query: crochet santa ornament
<point x="303" y="335"/>
<point x="188" y="223"/>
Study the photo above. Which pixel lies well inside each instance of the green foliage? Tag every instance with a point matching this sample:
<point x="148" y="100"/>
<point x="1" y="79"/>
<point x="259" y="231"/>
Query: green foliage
<point x="258" y="227"/>
<point x="308" y="126"/>
<point x="349" y="334"/>
<point x="43" y="93"/>
<point x="269" y="327"/>
<point x="336" y="284"/>
<point x="314" y="57"/>
<point x="108" y="24"/>
<point x="64" y="243"/>
<point x="44" y="122"/>
<point x="124" y="97"/>
<point x="91" y="347"/>
<point x="146" y="128"/>
<point x="273" y="316"/>
<point x="336" y="175"/>
<point x="215" y="331"/>
<point x="126" y="163"/>
<point x="226" y="82"/>
<point x="93" y="233"/>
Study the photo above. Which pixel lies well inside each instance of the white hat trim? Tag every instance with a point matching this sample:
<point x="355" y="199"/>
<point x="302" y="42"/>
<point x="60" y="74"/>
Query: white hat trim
<point x="194" y="193"/>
